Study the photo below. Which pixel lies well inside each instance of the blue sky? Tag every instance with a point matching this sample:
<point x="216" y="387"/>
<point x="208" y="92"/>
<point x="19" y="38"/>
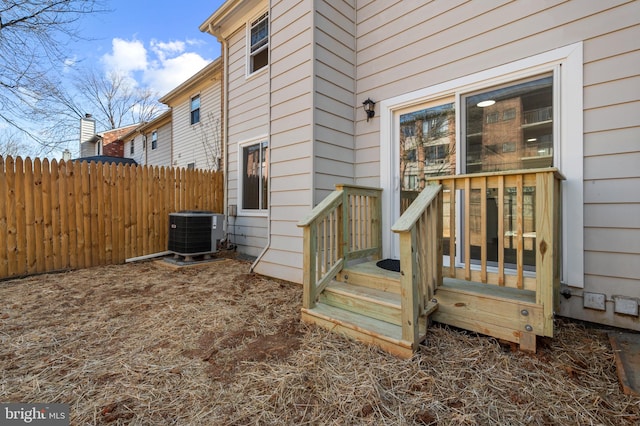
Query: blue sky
<point x="156" y="42"/>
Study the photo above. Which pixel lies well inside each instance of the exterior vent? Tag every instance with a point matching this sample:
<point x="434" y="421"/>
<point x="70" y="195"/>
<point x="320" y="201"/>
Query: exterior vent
<point x="193" y="233"/>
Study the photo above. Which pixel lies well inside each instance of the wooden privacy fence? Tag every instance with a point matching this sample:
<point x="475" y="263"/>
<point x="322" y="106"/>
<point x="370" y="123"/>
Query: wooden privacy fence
<point x="72" y="215"/>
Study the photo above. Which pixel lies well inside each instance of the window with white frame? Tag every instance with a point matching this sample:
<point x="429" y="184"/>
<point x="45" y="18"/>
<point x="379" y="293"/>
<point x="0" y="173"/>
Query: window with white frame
<point x="254" y="187"/>
<point x="195" y="109"/>
<point x="258" y="43"/>
<point x="132" y="148"/>
<point x="154" y="139"/>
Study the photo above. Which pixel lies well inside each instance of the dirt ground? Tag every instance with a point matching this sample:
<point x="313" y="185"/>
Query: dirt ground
<point x="144" y="344"/>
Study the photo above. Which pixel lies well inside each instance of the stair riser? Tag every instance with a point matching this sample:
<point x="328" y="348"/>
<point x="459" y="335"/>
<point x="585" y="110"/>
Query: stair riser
<point x="362" y="306"/>
<point x="372" y="281"/>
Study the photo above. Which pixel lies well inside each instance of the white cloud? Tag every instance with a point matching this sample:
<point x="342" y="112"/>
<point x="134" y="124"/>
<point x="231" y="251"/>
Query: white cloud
<point x="162" y="67"/>
<point x="127" y="56"/>
<point x="170" y="73"/>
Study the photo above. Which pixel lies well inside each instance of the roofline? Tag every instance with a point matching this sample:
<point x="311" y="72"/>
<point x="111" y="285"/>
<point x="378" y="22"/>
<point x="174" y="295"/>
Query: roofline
<point x="222" y="12"/>
<point x="194" y="80"/>
<point x="156" y="122"/>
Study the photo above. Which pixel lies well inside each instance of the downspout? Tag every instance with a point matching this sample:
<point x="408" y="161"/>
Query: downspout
<point x="225" y="126"/>
<point x="266" y="248"/>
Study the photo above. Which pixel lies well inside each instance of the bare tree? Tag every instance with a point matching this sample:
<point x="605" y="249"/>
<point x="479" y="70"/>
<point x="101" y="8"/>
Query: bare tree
<point x="33" y="35"/>
<point x="114" y="100"/>
<point x="11" y="143"/>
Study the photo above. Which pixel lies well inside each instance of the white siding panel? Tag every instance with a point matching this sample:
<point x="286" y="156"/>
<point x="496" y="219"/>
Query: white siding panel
<point x="619" y="265"/>
<point x="612" y="240"/>
<point x="612" y="117"/>
<point x="612" y="92"/>
<point x="613" y="166"/>
<point x="612" y="191"/>
<point x="612" y="215"/>
<point x="161" y="156"/>
<point x="611" y="142"/>
<point x="612" y="43"/>
<point x="612" y="68"/>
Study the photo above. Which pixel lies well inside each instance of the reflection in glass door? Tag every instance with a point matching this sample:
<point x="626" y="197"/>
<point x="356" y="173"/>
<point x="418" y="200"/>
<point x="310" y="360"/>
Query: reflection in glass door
<point x="427" y="148"/>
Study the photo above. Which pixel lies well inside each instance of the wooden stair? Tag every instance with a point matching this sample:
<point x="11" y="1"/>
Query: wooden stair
<point x="363" y="302"/>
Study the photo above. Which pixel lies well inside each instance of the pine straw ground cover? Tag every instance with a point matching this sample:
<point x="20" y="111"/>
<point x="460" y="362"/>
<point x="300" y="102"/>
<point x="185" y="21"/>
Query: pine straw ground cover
<point x="143" y="344"/>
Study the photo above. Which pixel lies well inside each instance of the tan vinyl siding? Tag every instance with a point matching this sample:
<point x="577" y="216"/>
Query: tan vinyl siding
<point x="248" y="118"/>
<point x="612" y="161"/>
<point x="291" y="136"/>
<point x="199" y="143"/>
<point x="161" y="156"/>
<point x="335" y="101"/>
<point x="139" y="154"/>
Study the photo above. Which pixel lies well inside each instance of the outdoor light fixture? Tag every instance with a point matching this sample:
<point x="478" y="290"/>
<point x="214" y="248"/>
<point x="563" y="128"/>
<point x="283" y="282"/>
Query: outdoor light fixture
<point x="368" y="106"/>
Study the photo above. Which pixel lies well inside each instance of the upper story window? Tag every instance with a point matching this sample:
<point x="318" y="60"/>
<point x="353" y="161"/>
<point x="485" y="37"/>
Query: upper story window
<point x="195" y="109"/>
<point x="132" y="147"/>
<point x="258" y="43"/>
<point x="154" y="139"/>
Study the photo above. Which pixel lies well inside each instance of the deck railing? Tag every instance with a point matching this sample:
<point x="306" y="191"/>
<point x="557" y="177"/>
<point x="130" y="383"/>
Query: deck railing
<point x="509" y="231"/>
<point x="344" y="226"/>
<point x="420" y="229"/>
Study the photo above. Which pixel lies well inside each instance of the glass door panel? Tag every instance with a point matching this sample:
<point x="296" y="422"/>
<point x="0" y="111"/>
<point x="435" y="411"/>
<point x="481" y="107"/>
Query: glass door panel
<point x="507" y="128"/>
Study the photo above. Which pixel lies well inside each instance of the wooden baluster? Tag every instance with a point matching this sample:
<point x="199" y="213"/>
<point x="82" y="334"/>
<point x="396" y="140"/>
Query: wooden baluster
<point x="483" y="229"/>
<point x="519" y="232"/>
<point x="501" y="230"/>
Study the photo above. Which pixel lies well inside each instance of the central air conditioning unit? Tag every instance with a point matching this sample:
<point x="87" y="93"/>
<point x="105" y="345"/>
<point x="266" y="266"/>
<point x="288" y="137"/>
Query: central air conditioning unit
<point x="193" y="233"/>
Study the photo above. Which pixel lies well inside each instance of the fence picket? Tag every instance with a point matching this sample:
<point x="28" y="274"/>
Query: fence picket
<point x="55" y="216"/>
<point x="3" y="221"/>
<point x="30" y="216"/>
<point x="46" y="214"/>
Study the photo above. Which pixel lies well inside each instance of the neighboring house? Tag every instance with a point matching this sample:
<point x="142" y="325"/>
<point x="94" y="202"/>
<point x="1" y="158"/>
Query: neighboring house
<point x="108" y="143"/>
<point x="135" y="146"/>
<point x="159" y="139"/>
<point x="150" y="143"/>
<point x="196" y="123"/>
<point x="520" y="84"/>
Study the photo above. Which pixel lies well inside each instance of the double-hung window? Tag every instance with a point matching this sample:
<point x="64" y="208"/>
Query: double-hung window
<point x="132" y="148"/>
<point x="195" y="109"/>
<point x="258" y="41"/>
<point x="253" y="179"/>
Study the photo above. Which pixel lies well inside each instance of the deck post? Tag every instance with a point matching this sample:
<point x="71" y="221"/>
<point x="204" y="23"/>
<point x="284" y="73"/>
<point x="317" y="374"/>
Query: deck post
<point x="546" y="248"/>
<point x="409" y="291"/>
<point x="309" y="266"/>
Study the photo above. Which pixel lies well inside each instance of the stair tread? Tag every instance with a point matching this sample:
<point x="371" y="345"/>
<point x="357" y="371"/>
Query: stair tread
<point x="376" y="295"/>
<point x="370" y="268"/>
<point x="390" y="331"/>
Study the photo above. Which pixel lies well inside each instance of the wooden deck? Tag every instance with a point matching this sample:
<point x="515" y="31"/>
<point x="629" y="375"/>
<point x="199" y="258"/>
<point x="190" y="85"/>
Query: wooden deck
<point x="511" y="297"/>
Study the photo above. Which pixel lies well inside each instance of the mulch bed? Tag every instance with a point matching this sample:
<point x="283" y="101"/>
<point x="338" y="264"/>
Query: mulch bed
<point x="144" y="344"/>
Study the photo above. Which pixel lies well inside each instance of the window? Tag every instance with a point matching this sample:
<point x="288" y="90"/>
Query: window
<point x="154" y="139"/>
<point x="195" y="109"/>
<point x="254" y="184"/>
<point x="191" y="166"/>
<point x="132" y="148"/>
<point x="523" y="139"/>
<point x="258" y="43"/>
